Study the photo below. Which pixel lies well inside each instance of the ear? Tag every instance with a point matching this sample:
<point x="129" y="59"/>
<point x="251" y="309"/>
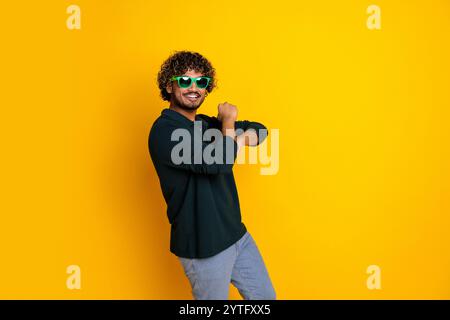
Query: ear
<point x="169" y="87"/>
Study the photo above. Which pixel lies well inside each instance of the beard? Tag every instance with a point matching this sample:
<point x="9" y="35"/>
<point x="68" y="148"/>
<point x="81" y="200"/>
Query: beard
<point x="186" y="105"/>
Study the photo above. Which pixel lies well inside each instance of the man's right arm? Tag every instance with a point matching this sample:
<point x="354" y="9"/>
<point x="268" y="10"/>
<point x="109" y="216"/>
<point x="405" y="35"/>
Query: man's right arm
<point x="180" y="151"/>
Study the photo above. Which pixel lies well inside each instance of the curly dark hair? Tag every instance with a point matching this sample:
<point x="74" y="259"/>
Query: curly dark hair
<point x="180" y="62"/>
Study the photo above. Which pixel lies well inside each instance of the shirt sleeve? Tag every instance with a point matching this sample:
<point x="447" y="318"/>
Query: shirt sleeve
<point x="171" y="152"/>
<point x="261" y="130"/>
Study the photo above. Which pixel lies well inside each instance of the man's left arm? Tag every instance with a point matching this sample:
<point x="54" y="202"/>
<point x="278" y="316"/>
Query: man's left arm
<point x="250" y="133"/>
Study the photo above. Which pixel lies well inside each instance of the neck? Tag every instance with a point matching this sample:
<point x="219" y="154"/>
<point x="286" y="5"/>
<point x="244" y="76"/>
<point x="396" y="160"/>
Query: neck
<point x="190" y="114"/>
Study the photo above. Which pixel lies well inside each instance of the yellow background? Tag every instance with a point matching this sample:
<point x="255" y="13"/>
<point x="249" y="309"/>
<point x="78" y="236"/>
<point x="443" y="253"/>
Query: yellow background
<point x="363" y="117"/>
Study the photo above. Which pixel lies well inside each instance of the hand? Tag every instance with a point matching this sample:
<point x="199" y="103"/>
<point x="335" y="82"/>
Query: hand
<point x="227" y="112"/>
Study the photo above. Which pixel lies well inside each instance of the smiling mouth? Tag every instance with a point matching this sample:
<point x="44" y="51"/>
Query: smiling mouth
<point x="192" y="96"/>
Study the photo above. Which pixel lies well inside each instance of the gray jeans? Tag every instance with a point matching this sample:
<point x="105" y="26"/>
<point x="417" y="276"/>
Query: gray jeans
<point x="241" y="264"/>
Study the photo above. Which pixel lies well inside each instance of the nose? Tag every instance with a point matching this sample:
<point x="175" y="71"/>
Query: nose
<point x="194" y="85"/>
<point x="194" y="88"/>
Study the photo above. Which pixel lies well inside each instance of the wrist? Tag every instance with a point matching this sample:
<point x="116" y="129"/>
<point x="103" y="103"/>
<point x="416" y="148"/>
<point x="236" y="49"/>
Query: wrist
<point x="228" y="128"/>
<point x="228" y="119"/>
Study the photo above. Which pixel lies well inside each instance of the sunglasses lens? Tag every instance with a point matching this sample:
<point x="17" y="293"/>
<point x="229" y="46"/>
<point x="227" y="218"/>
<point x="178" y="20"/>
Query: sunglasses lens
<point x="184" y="82"/>
<point x="202" y="82"/>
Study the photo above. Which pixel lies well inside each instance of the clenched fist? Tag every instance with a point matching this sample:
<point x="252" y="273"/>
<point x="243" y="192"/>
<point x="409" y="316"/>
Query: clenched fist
<point x="227" y="112"/>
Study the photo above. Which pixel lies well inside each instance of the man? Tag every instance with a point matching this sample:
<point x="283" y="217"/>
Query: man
<point x="207" y="235"/>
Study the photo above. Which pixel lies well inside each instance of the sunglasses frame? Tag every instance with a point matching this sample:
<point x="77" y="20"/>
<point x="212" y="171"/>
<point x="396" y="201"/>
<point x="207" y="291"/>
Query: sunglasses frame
<point x="177" y="78"/>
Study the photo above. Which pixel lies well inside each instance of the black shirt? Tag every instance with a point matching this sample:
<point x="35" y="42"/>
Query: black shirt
<point x="202" y="199"/>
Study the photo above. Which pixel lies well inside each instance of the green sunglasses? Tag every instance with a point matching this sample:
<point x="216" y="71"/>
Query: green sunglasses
<point x="185" y="82"/>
